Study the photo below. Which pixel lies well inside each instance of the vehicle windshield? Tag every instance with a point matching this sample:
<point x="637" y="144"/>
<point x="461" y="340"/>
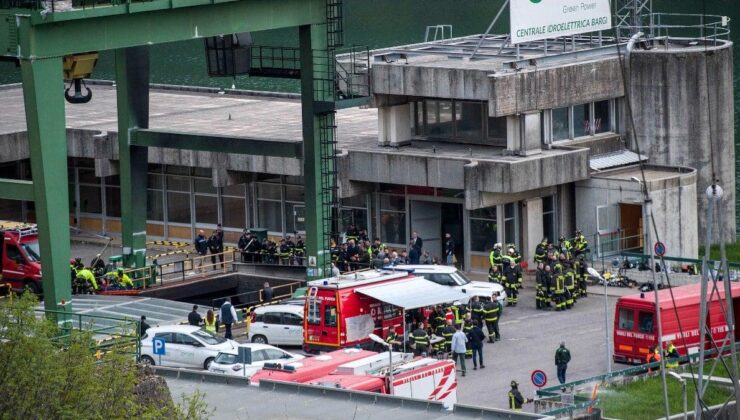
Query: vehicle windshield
<point x="460" y="278"/>
<point x="226" y="359"/>
<point x="32" y="250"/>
<point x="208" y="338"/>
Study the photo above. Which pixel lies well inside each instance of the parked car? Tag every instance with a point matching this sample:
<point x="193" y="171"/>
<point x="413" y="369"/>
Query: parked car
<point x="227" y="362"/>
<point x="451" y="276"/>
<point x="277" y="324"/>
<point x="185" y="346"/>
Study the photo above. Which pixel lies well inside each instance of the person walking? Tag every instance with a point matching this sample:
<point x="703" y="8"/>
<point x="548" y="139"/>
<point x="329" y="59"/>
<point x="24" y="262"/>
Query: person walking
<point x="210" y="322"/>
<point x="194" y="317"/>
<point x="267" y="292"/>
<point x="228" y="317"/>
<point x="458" y="348"/>
<point x="562" y="357"/>
<point x="476" y="338"/>
<point x="143" y="326"/>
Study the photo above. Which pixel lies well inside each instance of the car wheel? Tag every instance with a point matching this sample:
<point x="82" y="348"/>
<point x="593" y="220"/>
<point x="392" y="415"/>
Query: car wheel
<point x="207" y="363"/>
<point x="261" y="339"/>
<point x="146" y="360"/>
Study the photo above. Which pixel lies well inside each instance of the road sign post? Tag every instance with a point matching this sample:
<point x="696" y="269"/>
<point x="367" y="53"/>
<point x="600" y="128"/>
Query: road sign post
<point x="539" y="378"/>
<point x="158" y="347"/>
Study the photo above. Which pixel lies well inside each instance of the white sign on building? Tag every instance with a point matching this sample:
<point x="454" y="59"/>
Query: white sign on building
<point x="539" y="19"/>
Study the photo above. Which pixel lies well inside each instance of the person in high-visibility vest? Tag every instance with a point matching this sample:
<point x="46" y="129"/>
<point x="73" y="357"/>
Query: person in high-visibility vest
<point x="123" y="279"/>
<point x="209" y="324"/>
<point x="671" y="354"/>
<point x="87" y="276"/>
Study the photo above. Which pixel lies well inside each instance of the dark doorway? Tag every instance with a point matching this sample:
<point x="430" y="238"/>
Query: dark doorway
<point x="452" y="223"/>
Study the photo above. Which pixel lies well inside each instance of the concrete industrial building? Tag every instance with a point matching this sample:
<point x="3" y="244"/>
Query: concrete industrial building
<point x="511" y="145"/>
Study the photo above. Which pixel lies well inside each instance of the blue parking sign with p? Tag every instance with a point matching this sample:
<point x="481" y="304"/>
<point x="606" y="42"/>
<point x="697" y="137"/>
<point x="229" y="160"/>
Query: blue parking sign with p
<point x="158" y="345"/>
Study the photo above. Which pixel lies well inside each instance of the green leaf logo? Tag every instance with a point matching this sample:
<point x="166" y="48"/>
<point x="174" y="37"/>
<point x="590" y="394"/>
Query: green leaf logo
<point x="535" y="1"/>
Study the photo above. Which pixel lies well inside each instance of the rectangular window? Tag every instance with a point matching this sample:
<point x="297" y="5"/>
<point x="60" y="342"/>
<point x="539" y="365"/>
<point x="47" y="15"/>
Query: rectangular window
<point x="601" y="121"/>
<point x="295" y="217"/>
<point x="271" y="318"/>
<point x="560" y="124"/>
<point x="154" y="206"/>
<point x="497" y="130"/>
<point x="269" y="215"/>
<point x="549" y="219"/>
<point x="510" y="223"/>
<point x="483" y="229"/>
<point x="90" y="200"/>
<point x="581" y="123"/>
<point x="626" y="319"/>
<point x="206" y="209"/>
<point x="646" y="321"/>
<point x="204" y="185"/>
<point x="234" y="213"/>
<point x="330" y="315"/>
<point x="392" y="219"/>
<point x="178" y="208"/>
<point x="113" y="201"/>
<point x="314" y="312"/>
<point x="469" y="120"/>
<point x="178" y="183"/>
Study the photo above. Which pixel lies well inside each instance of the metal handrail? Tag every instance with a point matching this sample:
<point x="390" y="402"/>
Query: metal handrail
<point x="708" y="27"/>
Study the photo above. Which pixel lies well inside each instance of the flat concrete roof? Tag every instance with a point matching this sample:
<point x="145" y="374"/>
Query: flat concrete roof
<point x="652" y="173"/>
<point x="240" y="116"/>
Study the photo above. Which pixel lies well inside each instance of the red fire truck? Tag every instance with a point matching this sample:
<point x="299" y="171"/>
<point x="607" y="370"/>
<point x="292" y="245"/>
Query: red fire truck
<point x="336" y="316"/>
<point x="20" y="260"/>
<point x="354" y="369"/>
<point x="635" y="329"/>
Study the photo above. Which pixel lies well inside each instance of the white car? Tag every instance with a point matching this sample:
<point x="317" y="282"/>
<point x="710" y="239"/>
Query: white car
<point x="451" y="276"/>
<point x="277" y="324"/>
<point x="227" y="362"/>
<point x="185" y="346"/>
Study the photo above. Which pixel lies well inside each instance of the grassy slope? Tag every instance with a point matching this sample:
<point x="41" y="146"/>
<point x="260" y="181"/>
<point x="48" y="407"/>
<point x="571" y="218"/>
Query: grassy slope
<point x="644" y="399"/>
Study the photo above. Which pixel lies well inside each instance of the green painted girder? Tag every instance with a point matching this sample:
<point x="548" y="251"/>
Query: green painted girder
<point x="221" y="143"/>
<point x="16" y="189"/>
<point x="146" y="23"/>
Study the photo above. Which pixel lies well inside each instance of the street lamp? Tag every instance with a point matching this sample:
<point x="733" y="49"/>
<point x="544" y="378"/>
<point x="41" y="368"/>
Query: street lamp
<point x="379" y="340"/>
<point x="683" y="393"/>
<point x="596" y="274"/>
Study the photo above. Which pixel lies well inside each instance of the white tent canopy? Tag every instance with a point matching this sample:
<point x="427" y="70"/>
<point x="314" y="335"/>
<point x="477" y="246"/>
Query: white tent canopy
<point x="413" y="293"/>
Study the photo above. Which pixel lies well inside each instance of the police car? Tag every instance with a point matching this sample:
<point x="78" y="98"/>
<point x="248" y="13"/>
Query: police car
<point x="450" y="276"/>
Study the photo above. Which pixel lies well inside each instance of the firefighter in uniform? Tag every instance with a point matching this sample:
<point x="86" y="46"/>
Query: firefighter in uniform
<point x="540" y="252"/>
<point x="467" y="327"/>
<point x="495" y="260"/>
<point x="515" y="397"/>
<point x="570" y="286"/>
<point x="580" y="268"/>
<point x="490" y="316"/>
<point x="671" y="355"/>
<point x="540" y="287"/>
<point x="581" y="244"/>
<point x="565" y="247"/>
<point x="85" y="276"/>
<point x="476" y="308"/>
<point x="459" y="311"/>
<point x="447" y="333"/>
<point x="495" y="276"/>
<point x="420" y="338"/>
<point x="559" y="293"/>
<point x="513" y="282"/>
<point x="439" y="329"/>
<point x="392" y="340"/>
<point x="548" y="285"/>
<point x="73" y="274"/>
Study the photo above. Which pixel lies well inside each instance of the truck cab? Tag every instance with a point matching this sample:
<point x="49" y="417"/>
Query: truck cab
<point x="20" y="258"/>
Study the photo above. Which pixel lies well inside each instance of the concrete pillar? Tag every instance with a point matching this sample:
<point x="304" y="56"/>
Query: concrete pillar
<point x="532" y="228"/>
<point x="394" y="126"/>
<point x="524" y="133"/>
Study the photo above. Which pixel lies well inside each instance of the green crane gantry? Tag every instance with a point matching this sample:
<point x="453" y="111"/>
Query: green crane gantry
<point x="38" y="34"/>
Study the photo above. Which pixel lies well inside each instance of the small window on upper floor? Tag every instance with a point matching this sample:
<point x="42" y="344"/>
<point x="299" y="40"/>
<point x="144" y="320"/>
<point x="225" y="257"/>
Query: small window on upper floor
<point x="580" y="120"/>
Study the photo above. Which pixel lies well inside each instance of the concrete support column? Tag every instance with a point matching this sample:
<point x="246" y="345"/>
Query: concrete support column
<point x="132" y="93"/>
<point x="524" y="133"/>
<point x="394" y="127"/>
<point x="532" y="227"/>
<point x="47" y="141"/>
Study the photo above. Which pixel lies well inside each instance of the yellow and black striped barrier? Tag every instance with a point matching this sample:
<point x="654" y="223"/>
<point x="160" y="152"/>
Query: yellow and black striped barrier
<point x="165" y="254"/>
<point x="177" y="244"/>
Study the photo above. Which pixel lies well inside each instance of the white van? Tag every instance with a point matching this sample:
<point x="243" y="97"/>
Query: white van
<point x="277" y="324"/>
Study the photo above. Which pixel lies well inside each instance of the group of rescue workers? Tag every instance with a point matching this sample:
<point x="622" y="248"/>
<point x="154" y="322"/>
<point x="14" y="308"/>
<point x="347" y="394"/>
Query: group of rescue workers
<point x="89" y="280"/>
<point x="561" y="276"/>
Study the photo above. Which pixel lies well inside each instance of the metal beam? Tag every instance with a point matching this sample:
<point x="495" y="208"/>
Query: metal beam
<point x="208" y="143"/>
<point x="16" y="189"/>
<point x="47" y="144"/>
<point x="147" y="23"/>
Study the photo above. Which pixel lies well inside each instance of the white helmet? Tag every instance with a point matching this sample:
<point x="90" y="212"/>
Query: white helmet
<point x="497" y="245"/>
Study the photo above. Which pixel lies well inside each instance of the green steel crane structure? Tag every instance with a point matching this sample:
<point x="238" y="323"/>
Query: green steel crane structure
<point x="38" y="34"/>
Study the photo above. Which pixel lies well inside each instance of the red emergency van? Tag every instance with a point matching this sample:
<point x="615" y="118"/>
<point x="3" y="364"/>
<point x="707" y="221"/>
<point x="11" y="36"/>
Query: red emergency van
<point x="336" y="316"/>
<point x="20" y="260"/>
<point x="635" y="329"/>
<point x="310" y="368"/>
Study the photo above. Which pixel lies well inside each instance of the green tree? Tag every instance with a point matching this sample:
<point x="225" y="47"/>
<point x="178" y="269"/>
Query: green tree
<point x="53" y="374"/>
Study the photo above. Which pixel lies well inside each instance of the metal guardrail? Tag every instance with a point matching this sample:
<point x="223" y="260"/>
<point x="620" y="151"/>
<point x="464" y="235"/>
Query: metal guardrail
<point x="711" y="28"/>
<point x="256" y="298"/>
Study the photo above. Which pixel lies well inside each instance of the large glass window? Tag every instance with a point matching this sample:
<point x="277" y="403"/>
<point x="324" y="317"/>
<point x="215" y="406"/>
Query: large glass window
<point x="483" y="229"/>
<point x="646" y="322"/>
<point x="601" y="120"/>
<point x="155" y="197"/>
<point x="626" y="319"/>
<point x="560" y="124"/>
<point x="465" y="121"/>
<point x="511" y="233"/>
<point x="269" y="207"/>
<point x="113" y="201"/>
<point x="497" y="130"/>
<point x="206" y="209"/>
<point x="581" y="120"/>
<point x="549" y="219"/>
<point x="90" y="200"/>
<point x="178" y="207"/>
<point x="469" y="120"/>
<point x="392" y="219"/>
<point x="234" y="210"/>
<point x="353" y="211"/>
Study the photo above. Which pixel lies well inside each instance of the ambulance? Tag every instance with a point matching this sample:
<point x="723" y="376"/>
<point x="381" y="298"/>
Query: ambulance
<point x="635" y="321"/>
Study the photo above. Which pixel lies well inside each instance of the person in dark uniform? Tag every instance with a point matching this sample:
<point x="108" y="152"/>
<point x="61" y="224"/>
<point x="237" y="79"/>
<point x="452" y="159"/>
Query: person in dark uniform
<point x="143" y="326"/>
<point x="420" y="338"/>
<point x="449" y="249"/>
<point x="515" y="397"/>
<point x="194" y="317"/>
